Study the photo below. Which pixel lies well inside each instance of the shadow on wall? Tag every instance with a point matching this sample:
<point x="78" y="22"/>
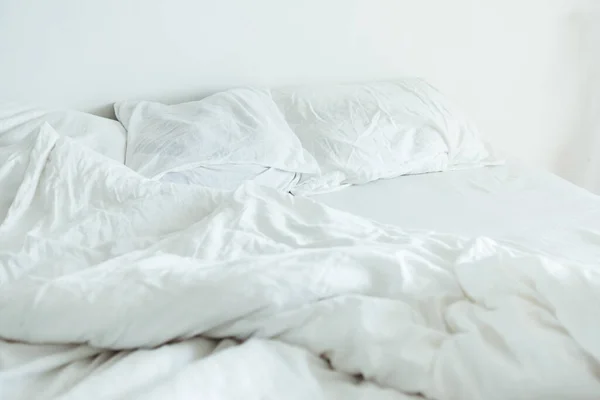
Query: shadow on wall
<point x="580" y="159"/>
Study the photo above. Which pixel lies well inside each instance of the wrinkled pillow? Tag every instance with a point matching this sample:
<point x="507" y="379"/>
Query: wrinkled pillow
<point x="363" y="132"/>
<point x="106" y="136"/>
<point x="237" y="130"/>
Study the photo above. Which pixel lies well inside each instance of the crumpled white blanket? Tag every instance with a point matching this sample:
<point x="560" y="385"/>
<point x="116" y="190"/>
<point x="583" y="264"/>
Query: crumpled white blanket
<point x="115" y="286"/>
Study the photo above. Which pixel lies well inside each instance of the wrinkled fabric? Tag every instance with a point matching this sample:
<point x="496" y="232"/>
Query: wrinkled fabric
<point x="116" y="286"/>
<point x="230" y="177"/>
<point x="363" y="132"/>
<point x="106" y="136"/>
<point x="239" y="129"/>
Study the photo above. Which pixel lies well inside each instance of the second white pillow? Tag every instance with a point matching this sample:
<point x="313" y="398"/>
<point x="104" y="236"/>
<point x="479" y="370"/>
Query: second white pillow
<point x="363" y="132"/>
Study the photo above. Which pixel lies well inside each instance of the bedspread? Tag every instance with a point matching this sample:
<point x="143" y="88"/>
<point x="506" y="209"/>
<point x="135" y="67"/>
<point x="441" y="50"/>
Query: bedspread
<point x="116" y="286"/>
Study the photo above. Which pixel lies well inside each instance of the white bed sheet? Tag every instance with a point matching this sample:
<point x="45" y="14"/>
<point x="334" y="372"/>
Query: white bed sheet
<point x="510" y="202"/>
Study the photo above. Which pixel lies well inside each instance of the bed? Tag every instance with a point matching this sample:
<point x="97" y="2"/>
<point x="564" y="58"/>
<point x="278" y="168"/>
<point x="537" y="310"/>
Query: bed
<point x="354" y="241"/>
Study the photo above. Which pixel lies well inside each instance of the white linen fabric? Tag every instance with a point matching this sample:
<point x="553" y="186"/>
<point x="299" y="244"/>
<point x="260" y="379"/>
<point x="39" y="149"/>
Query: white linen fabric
<point x="363" y="132"/>
<point x="104" y="135"/>
<point x="231" y="176"/>
<point x="511" y="202"/>
<point x="236" y="129"/>
<point x="143" y="289"/>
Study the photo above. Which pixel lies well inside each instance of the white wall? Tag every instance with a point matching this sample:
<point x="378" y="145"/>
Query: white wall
<point x="581" y="155"/>
<point x="514" y="65"/>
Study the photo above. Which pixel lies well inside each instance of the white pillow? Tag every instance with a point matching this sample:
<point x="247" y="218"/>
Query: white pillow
<point x="363" y="132"/>
<point x="240" y="129"/>
<point x="103" y="135"/>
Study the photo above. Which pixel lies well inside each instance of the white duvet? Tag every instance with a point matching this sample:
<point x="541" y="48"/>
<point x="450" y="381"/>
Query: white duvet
<point x="114" y="286"/>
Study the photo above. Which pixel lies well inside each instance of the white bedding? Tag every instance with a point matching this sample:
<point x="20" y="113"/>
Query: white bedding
<point x="362" y="132"/>
<point x="223" y="140"/>
<point x="104" y="135"/>
<point x="130" y="288"/>
<point x="514" y="203"/>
